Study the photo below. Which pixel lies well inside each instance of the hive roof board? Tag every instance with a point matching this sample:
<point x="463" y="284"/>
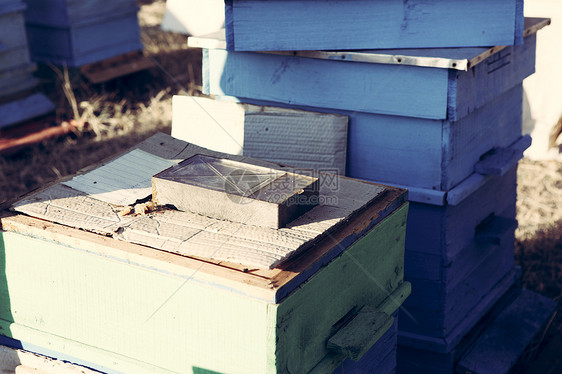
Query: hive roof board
<point x="235" y="191"/>
<point x="445" y="58"/>
<point x="189" y="234"/>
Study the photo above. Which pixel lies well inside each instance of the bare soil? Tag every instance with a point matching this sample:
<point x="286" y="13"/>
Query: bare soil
<point x="127" y="110"/>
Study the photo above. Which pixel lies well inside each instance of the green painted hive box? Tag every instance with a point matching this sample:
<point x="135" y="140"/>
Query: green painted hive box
<point x="175" y="292"/>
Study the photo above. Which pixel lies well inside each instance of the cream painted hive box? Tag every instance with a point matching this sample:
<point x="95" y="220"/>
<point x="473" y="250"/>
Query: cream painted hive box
<point x="162" y="292"/>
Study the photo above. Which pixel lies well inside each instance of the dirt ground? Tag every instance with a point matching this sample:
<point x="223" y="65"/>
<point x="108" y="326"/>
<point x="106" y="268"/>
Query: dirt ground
<point x="121" y="113"/>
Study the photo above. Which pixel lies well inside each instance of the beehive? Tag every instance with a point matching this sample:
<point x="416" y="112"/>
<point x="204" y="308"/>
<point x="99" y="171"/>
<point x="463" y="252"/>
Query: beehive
<point x="77" y="33"/>
<point x="123" y="307"/>
<point x="444" y="123"/>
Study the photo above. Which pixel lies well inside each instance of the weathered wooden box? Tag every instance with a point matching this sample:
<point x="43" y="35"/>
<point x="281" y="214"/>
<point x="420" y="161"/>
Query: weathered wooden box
<point x="444" y="83"/>
<point x="460" y="260"/>
<point x="124" y="307"/>
<point x="257" y="25"/>
<point x="77" y="33"/>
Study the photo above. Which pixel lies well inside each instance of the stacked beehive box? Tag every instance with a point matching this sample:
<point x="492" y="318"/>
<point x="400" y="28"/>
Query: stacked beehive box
<point x="77" y="33"/>
<point x="16" y="80"/>
<point x="445" y="123"/>
<point x="181" y="292"/>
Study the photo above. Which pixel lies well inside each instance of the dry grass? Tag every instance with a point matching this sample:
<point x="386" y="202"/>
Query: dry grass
<point x="123" y="112"/>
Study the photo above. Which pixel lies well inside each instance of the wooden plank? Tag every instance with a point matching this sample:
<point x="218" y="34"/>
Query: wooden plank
<point x="255" y="25"/>
<point x="236" y="191"/>
<point x="25" y="109"/>
<point x="298" y="138"/>
<point x="513" y="330"/>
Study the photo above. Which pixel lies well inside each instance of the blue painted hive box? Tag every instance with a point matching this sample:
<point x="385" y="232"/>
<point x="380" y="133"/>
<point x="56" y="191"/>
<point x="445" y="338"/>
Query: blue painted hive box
<point x="15" y="66"/>
<point x="182" y="292"/>
<point x="460" y="261"/>
<point x="275" y="25"/>
<point x="424" y="119"/>
<point x="78" y="33"/>
<point x="17" y="102"/>
<point x="13" y="40"/>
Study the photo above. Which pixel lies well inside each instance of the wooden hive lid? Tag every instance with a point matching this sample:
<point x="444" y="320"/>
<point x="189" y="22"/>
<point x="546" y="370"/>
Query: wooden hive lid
<point x="443" y="58"/>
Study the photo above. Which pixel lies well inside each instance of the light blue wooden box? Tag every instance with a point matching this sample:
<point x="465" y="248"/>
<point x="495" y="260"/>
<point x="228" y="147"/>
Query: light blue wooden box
<point x="446" y="117"/>
<point x="444" y="123"/>
<point x="258" y="25"/>
<point x="77" y="34"/>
